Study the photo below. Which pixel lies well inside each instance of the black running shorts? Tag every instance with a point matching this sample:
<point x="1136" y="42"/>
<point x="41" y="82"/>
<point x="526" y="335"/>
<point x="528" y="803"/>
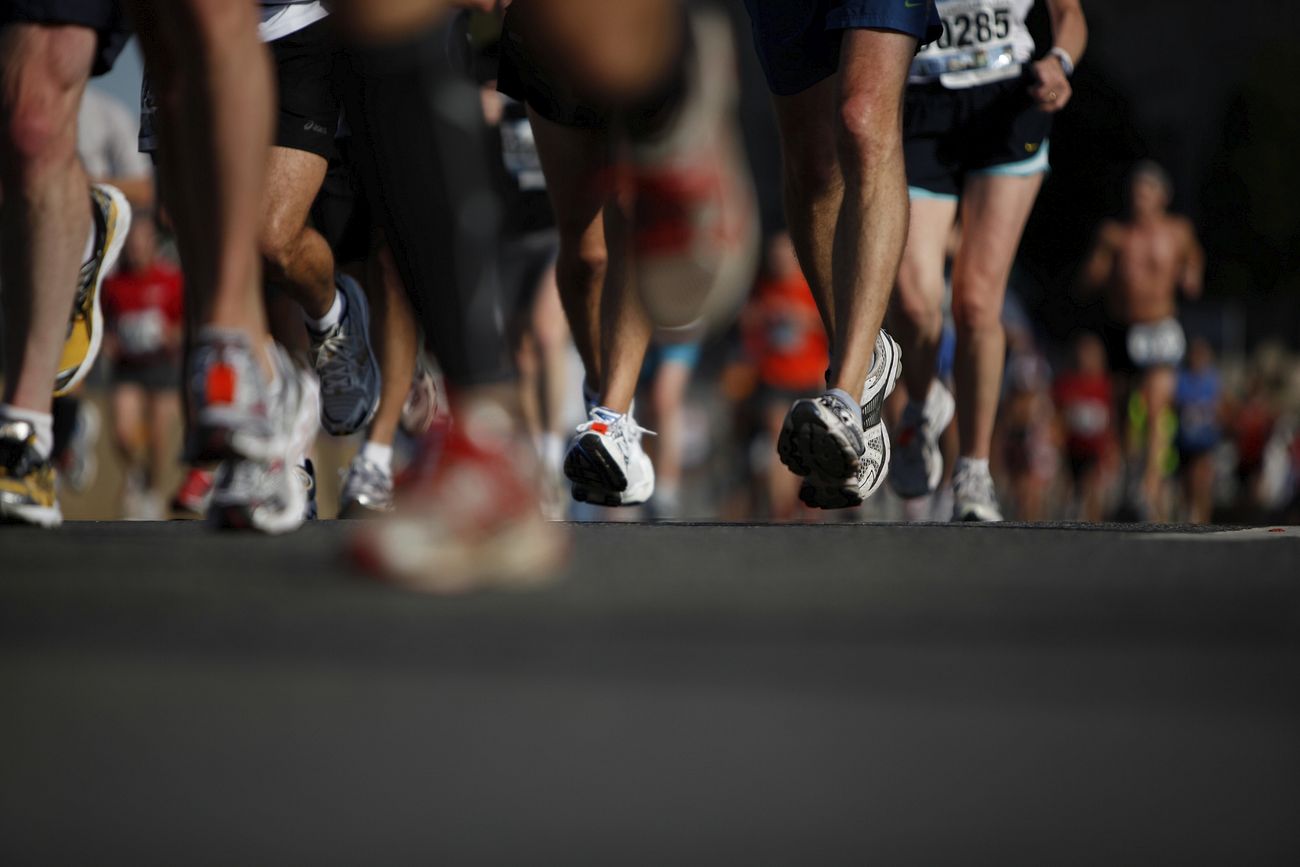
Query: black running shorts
<point x="105" y="17"/>
<point x="523" y="80"/>
<point x="308" y="116"/>
<point x="991" y="129"/>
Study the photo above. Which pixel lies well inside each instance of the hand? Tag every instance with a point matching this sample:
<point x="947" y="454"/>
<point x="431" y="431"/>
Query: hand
<point x="1051" y="90"/>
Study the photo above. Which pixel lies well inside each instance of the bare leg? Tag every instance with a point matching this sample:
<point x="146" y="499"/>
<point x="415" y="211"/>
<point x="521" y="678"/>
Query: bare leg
<point x="164" y="413"/>
<point x="575" y="161"/>
<point x="396" y="339"/>
<point x="129" y="438"/>
<point x="551" y="333"/>
<point x="45" y="217"/>
<point x="296" y="258"/>
<point x="917" y="319"/>
<point x="625" y="326"/>
<point x="814" y="188"/>
<point x="1158" y="387"/>
<point x="214" y="92"/>
<point x="872" y="225"/>
<point x="668" y="394"/>
<point x="994" y="212"/>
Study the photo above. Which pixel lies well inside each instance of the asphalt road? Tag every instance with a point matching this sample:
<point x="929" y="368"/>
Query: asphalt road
<point x="682" y="695"/>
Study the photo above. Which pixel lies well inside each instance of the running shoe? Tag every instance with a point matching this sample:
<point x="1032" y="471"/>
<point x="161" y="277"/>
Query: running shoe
<point x="78" y="464"/>
<point x="694" y="229"/>
<point x="367" y="489"/>
<point x="192" y="498"/>
<point x="345" y="363"/>
<point x="974" y="499"/>
<point x="112" y="221"/>
<point x="606" y="463"/>
<point x="421" y="405"/>
<point x="841" y="448"/>
<point x="267" y="492"/>
<point x="467" y="519"/>
<point x="306" y="472"/>
<point x="28" y="484"/>
<point x="917" y="466"/>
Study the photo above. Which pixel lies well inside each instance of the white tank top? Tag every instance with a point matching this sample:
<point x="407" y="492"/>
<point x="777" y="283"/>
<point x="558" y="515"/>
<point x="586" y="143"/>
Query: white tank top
<point x="281" y="19"/>
<point x="983" y="41"/>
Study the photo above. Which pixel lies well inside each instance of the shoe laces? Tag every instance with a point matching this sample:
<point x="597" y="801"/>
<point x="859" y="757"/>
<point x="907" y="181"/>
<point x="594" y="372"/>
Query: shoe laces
<point x="621" y="427"/>
<point x="973" y="484"/>
<point x="365" y="477"/>
<point x="333" y="360"/>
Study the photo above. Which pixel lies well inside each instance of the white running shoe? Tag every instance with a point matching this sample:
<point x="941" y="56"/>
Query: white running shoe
<point x="841" y="448"/>
<point x="267" y="493"/>
<point x="367" y="489"/>
<point x="917" y="467"/>
<point x="606" y="463"/>
<point x="345" y="363"/>
<point x="974" y="499"/>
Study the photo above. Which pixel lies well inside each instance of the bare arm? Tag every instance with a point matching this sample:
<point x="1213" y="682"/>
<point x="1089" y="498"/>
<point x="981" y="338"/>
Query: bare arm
<point x="1100" y="264"/>
<point x="1193" y="276"/>
<point x="1052" y="91"/>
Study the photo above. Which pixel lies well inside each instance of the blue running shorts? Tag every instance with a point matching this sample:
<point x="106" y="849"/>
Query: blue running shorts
<point x="798" y="41"/>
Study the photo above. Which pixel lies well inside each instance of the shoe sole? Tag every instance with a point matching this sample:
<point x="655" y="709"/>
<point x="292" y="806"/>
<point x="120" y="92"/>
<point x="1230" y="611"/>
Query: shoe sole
<point x="118" y="230"/>
<point x="48" y="517"/>
<point x="598" y="479"/>
<point x="356" y="300"/>
<point x="824" y="494"/>
<point x="809" y="445"/>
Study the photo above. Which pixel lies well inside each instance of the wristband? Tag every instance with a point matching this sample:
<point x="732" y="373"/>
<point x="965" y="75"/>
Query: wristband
<point x="1067" y="62"/>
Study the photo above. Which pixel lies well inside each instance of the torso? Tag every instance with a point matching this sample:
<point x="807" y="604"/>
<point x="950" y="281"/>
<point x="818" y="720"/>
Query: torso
<point x="1148" y="264"/>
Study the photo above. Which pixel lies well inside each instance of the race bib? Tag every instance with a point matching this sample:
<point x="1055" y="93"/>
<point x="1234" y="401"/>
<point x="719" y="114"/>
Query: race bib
<point x="519" y="150"/>
<point x="142" y="332"/>
<point x="1157" y="343"/>
<point x="981" y="42"/>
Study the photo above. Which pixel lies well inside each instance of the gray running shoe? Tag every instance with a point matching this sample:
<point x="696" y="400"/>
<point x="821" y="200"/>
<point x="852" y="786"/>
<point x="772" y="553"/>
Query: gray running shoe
<point x="345" y="363"/>
<point x="268" y="493"/>
<point x="974" y="499"/>
<point x="917" y="465"/>
<point x="367" y="490"/>
<point x="842" y="449"/>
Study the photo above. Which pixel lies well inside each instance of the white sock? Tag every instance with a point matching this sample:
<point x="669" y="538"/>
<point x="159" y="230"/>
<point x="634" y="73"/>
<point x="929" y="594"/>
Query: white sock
<point x="89" y="252"/>
<point x="975" y="465"/>
<point x="42" y="422"/>
<point x="380" y="455"/>
<point x="331" y="317"/>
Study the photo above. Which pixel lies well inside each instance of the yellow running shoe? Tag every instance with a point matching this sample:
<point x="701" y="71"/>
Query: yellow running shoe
<point x="112" y="217"/>
<point x="28" y="492"/>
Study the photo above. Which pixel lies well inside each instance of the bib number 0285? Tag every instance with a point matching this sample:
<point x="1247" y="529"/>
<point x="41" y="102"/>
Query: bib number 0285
<point x="971" y="27"/>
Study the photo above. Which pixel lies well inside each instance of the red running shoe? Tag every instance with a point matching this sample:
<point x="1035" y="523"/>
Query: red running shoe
<point x="191" y="500"/>
<point x="467" y="519"/>
<point x="694" y="219"/>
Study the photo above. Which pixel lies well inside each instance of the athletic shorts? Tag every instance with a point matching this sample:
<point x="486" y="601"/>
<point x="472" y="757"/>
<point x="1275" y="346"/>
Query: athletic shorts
<point x="524" y="259"/>
<point x="308" y="117"/>
<point x="341" y="211"/>
<point x="798" y="41"/>
<point x="1136" y="348"/>
<point x="993" y="129"/>
<point x="105" y="17"/>
<point x="153" y="376"/>
<point x="521" y="78"/>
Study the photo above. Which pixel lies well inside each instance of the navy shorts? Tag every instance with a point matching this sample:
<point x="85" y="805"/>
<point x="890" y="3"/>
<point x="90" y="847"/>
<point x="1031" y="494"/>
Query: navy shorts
<point x="798" y="41"/>
<point x="105" y="17"/>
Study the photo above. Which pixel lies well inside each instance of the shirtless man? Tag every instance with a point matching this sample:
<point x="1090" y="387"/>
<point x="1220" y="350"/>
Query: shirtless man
<point x="1140" y="264"/>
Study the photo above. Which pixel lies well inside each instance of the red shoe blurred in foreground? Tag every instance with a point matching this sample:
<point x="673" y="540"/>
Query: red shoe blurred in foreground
<point x="191" y="500"/>
<point x="467" y="519"/>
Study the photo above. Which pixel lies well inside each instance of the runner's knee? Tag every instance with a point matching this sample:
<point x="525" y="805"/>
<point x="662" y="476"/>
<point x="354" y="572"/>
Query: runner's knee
<point x="40" y="103"/>
<point x="921" y="308"/>
<point x="976" y="302"/>
<point x="868" y="131"/>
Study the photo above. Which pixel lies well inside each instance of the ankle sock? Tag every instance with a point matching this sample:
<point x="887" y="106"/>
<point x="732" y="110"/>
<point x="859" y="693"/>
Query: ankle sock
<point x="968" y="465"/>
<point x="331" y="317"/>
